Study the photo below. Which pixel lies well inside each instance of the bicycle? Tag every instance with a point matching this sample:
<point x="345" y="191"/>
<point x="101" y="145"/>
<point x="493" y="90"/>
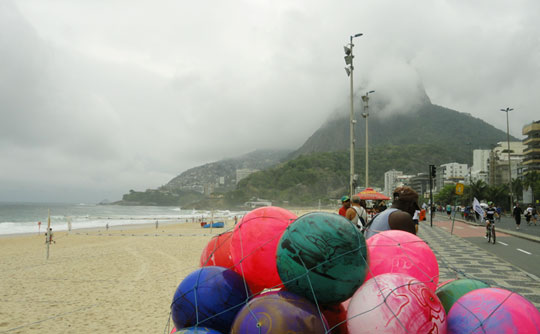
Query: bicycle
<point x="491" y="231"/>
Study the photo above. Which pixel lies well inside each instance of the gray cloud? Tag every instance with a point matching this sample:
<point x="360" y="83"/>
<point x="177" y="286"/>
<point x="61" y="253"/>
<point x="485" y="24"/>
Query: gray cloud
<point x="97" y="97"/>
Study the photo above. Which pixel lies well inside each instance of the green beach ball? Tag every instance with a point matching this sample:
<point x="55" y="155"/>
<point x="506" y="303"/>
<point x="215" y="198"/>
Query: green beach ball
<point x="323" y="257"/>
<point x="452" y="291"/>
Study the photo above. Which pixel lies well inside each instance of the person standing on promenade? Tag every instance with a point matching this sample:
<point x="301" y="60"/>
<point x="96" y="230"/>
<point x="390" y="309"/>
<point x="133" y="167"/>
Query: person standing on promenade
<point x="517" y="215"/>
<point x="449" y="210"/>
<point x="531" y="215"/>
<point x="416" y="219"/>
<point x="399" y="216"/>
<point x="345" y="204"/>
<point x="356" y="213"/>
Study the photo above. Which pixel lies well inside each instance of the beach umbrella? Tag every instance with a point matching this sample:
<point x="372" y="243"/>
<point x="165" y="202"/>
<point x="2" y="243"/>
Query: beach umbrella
<point x="370" y="194"/>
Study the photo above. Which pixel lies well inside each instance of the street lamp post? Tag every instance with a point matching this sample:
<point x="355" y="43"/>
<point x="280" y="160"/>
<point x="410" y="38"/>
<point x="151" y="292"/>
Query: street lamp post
<point x="507" y="110"/>
<point x="365" y="114"/>
<point x="349" y="69"/>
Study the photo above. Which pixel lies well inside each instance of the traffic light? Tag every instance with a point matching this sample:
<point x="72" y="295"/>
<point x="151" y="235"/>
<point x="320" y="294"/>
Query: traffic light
<point x="433" y="171"/>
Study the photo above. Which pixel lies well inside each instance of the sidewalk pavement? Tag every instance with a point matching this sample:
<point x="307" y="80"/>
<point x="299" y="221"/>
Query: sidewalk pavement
<point x="459" y="258"/>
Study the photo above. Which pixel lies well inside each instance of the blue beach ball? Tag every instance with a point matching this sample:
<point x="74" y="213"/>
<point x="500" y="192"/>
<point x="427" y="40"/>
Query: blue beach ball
<point x="209" y="297"/>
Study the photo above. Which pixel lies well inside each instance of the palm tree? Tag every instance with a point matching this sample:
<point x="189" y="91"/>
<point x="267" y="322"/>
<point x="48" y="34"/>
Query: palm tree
<point x="517" y="189"/>
<point x="478" y="190"/>
<point x="497" y="194"/>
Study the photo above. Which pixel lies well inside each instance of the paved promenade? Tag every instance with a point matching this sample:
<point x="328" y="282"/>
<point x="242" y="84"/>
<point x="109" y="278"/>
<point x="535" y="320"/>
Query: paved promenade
<point x="459" y="258"/>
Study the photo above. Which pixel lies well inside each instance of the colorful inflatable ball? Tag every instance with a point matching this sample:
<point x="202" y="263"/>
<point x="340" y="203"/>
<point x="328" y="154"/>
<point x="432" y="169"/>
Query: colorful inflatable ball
<point x="323" y="257"/>
<point x="279" y="312"/>
<point x="494" y="311"/>
<point x="254" y="243"/>
<point x="441" y="284"/>
<point x="336" y="316"/>
<point x="398" y="251"/>
<point x="218" y="251"/>
<point x="209" y="297"/>
<point x="450" y="292"/>
<point x="395" y="303"/>
<point x="196" y="330"/>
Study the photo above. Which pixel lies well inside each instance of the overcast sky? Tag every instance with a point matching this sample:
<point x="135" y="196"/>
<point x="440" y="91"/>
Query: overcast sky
<point x="100" y="97"/>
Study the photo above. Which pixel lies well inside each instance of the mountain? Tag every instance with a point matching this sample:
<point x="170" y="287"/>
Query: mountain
<point x="216" y="177"/>
<point x="407" y="141"/>
<point x="211" y="173"/>
<point x="429" y="124"/>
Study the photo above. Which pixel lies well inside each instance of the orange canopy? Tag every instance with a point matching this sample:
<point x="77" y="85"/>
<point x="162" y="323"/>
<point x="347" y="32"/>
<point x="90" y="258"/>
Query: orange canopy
<point x="370" y="194"/>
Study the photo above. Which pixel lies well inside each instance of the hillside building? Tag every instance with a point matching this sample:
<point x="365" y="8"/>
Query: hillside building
<point x="531" y="154"/>
<point x="243" y="173"/>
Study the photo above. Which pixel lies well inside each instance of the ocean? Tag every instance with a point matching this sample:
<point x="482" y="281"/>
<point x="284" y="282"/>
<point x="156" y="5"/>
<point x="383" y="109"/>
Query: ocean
<point x="16" y="218"/>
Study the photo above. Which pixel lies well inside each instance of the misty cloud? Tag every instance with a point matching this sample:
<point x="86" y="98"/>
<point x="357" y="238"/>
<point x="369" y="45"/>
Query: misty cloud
<point x="95" y="102"/>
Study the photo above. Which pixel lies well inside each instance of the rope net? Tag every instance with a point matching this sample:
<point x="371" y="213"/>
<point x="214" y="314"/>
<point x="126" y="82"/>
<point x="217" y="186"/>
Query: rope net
<point x="329" y="280"/>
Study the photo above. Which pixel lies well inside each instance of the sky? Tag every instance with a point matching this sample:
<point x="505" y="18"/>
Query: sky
<point x="101" y="97"/>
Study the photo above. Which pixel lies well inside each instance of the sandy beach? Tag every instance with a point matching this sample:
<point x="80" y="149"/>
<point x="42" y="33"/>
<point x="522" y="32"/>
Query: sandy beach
<point x="96" y="281"/>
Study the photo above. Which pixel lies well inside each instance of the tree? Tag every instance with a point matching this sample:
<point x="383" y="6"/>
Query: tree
<point x="478" y="190"/>
<point x="531" y="180"/>
<point x="497" y="194"/>
<point x="517" y="189"/>
<point x="446" y="195"/>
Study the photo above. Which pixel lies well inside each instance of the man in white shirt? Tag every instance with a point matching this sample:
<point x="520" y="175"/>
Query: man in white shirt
<point x="356" y="213"/>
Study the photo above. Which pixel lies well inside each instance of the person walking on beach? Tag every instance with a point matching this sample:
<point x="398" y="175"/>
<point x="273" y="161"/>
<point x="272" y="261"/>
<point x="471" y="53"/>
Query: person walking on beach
<point x="399" y="215"/>
<point x="356" y="213"/>
<point x="157" y="224"/>
<point x="49" y="237"/>
<point x="345" y="204"/>
<point x="517" y="215"/>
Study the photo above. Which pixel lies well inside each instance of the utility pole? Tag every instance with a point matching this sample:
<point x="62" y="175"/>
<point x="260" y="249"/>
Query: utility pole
<point x="349" y="69"/>
<point x="365" y="114"/>
<point x="432" y="175"/>
<point x="507" y="110"/>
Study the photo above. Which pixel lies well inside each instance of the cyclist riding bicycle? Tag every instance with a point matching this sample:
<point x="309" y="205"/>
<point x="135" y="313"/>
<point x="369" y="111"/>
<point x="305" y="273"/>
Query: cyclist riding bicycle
<point x="490" y="214"/>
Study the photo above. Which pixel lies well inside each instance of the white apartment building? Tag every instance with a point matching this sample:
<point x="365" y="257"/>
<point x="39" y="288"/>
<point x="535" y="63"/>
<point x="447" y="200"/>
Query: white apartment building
<point x="480" y="161"/>
<point x="392" y="179"/>
<point x="454" y="171"/>
<point x="516" y="150"/>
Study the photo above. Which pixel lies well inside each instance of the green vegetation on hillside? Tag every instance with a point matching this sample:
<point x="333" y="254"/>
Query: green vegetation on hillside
<point x="325" y="176"/>
<point x="429" y="124"/>
<point x="160" y="197"/>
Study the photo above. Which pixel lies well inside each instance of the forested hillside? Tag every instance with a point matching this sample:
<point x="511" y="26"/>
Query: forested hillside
<point x="324" y="176"/>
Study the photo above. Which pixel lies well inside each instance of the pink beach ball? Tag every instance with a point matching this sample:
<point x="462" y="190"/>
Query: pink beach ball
<point x="493" y="310"/>
<point x="395" y="303"/>
<point x="254" y="244"/>
<point x="398" y="251"/>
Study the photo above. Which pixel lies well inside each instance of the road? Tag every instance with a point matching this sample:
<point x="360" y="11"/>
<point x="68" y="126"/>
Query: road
<point x="519" y="251"/>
